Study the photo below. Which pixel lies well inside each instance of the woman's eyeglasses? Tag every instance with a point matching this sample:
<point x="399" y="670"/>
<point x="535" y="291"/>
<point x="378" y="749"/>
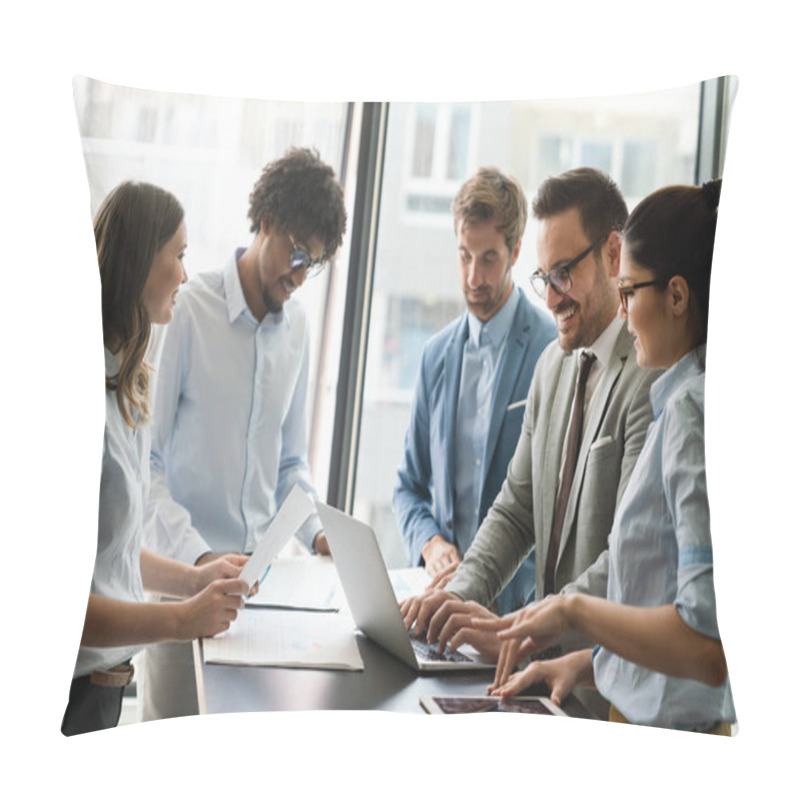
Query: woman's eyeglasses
<point x="626" y="290"/>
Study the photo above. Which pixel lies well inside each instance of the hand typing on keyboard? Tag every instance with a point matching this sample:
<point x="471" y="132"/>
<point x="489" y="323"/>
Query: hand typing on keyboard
<point x="430" y="652"/>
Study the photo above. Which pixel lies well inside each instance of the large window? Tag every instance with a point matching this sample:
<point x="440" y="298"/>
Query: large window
<point x="209" y="151"/>
<point x="643" y="141"/>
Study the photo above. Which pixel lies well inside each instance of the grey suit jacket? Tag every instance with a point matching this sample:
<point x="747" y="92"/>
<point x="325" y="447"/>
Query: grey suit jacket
<point x="521" y="517"/>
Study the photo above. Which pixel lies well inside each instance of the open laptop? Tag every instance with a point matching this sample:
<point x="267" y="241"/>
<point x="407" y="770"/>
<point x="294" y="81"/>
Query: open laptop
<point x="372" y="600"/>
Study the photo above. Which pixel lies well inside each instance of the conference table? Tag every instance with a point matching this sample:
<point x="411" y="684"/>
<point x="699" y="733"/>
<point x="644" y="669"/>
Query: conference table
<point x="385" y="683"/>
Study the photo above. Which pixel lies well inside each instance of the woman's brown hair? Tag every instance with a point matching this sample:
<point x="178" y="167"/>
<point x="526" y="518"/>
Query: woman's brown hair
<point x="133" y="223"/>
<point x="672" y="231"/>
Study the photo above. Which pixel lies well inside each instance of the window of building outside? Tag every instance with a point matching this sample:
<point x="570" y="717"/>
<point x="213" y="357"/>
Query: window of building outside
<point x="642" y="141"/>
<point x="209" y="152"/>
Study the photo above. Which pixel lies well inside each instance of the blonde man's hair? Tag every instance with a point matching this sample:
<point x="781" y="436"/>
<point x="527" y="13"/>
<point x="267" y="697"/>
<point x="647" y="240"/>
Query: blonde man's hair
<point x="491" y="195"/>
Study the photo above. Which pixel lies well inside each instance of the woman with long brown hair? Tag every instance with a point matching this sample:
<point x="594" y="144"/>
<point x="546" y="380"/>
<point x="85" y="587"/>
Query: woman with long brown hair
<point x="141" y="240"/>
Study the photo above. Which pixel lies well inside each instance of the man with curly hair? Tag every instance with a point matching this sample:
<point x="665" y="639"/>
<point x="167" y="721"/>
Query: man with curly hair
<point x="229" y="412"/>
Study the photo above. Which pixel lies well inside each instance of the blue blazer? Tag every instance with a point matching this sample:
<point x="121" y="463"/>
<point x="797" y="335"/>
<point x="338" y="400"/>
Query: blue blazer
<point x="424" y="494"/>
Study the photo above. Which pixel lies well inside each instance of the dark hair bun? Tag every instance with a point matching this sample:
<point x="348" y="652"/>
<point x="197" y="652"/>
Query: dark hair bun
<point x="711" y="191"/>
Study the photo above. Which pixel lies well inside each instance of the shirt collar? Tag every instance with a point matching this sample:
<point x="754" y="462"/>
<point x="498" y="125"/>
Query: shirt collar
<point x="689" y="366"/>
<point x="603" y="345"/>
<point x="497" y="328"/>
<point x="234" y="294"/>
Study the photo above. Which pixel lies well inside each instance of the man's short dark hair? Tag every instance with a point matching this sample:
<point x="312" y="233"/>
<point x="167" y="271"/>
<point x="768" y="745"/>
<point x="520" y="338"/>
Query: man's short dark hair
<point x="597" y="198"/>
<point x="301" y="195"/>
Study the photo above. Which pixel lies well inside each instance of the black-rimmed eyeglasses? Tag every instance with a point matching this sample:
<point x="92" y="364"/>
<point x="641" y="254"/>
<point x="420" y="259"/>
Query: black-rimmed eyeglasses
<point x="560" y="278"/>
<point x="626" y="290"/>
<point x="300" y="259"/>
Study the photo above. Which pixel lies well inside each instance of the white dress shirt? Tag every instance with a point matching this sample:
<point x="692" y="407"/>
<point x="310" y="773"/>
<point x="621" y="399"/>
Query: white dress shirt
<point x="124" y="484"/>
<point x="229" y="418"/>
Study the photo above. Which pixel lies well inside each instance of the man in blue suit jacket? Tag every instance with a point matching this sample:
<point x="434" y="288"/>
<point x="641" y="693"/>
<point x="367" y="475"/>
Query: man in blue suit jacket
<point x="470" y="395"/>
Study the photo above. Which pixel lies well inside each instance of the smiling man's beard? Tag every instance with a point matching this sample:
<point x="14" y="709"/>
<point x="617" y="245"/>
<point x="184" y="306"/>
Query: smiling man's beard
<point x="273" y="306"/>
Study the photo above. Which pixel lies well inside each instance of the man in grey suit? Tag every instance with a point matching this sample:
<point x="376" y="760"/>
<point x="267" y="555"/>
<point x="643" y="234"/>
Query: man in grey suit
<point x="470" y="395"/>
<point x="580" y="214"/>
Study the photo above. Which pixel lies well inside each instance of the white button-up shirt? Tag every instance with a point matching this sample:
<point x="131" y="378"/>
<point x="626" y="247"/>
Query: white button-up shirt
<point x="124" y="483"/>
<point x="229" y="418"/>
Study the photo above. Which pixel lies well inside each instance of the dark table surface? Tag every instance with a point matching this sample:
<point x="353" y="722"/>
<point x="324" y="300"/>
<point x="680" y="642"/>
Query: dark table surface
<point x="385" y="684"/>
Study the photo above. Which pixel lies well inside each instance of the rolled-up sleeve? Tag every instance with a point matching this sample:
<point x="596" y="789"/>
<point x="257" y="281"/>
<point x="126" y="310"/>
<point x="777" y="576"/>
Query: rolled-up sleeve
<point x="684" y="474"/>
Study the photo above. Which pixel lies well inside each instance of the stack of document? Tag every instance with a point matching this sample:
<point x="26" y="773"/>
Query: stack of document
<point x="280" y="638"/>
<point x="281" y="625"/>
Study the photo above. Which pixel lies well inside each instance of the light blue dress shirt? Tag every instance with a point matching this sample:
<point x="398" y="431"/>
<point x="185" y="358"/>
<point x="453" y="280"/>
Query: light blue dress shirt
<point x="660" y="553"/>
<point x="483" y="356"/>
<point x="124" y="482"/>
<point x="229" y="419"/>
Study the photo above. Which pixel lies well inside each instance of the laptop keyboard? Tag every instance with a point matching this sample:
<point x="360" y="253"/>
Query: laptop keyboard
<point x="430" y="652"/>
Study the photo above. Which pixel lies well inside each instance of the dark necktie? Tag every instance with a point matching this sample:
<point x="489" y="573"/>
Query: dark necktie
<point x="570" y="461"/>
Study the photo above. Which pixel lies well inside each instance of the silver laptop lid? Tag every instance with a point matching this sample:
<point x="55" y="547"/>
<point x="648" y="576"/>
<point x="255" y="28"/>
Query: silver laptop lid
<point x="366" y="582"/>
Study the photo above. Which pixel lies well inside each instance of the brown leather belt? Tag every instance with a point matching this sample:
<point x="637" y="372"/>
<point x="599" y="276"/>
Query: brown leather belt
<point x="113" y="678"/>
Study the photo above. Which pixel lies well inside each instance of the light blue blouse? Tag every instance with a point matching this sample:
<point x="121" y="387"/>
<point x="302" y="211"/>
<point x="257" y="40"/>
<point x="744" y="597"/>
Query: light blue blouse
<point x="229" y="421"/>
<point x="124" y="485"/>
<point x="660" y="553"/>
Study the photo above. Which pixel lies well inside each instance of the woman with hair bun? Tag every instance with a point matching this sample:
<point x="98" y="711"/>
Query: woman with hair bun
<point x="141" y="239"/>
<point x="658" y="658"/>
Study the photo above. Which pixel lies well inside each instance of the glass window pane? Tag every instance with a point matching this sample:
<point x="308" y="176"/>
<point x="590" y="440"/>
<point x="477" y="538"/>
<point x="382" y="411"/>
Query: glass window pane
<point x="459" y="143"/>
<point x="555" y="154"/>
<point x="644" y="141"/>
<point x="597" y="155"/>
<point x="638" y="167"/>
<point x="424" y="136"/>
<point x="208" y="151"/>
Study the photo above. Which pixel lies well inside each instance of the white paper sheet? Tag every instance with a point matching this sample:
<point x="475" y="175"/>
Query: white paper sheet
<point x="280" y="638"/>
<point x="303" y="582"/>
<point x="296" y="509"/>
